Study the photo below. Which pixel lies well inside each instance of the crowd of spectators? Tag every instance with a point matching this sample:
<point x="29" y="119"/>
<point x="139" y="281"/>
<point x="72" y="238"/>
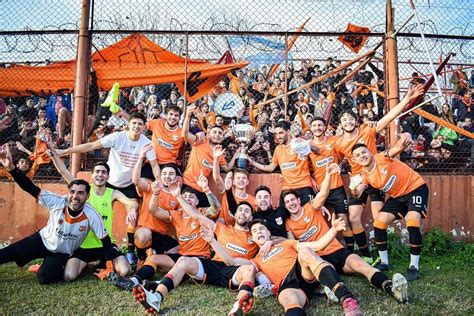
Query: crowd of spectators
<point x="436" y="148"/>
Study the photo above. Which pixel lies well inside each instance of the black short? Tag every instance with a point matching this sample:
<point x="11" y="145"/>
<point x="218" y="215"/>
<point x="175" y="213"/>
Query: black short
<point x="337" y="200"/>
<point x="174" y="256"/>
<point x="95" y="254"/>
<point x="417" y="200"/>
<point x="161" y="243"/>
<point x="218" y="273"/>
<point x="305" y="194"/>
<point x="130" y="191"/>
<point x="337" y="259"/>
<point x="203" y="201"/>
<point x="375" y="196"/>
<point x="294" y="280"/>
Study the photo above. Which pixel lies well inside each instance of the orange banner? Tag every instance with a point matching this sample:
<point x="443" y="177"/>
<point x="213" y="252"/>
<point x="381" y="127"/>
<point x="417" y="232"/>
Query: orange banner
<point x="354" y="42"/>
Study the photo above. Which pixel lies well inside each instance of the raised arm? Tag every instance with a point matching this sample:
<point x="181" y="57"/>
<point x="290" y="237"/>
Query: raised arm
<point x="140" y="183"/>
<point x="215" y="205"/>
<point x="153" y="207"/>
<point x="337" y="225"/>
<point x="403" y="143"/>
<point x="331" y="170"/>
<point x="217" y="151"/>
<point x="81" y="148"/>
<point x="190" y="138"/>
<point x="130" y="204"/>
<point x="267" y="168"/>
<point x="413" y="93"/>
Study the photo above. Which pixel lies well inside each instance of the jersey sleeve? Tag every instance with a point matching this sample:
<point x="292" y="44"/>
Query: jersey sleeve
<point x="110" y="140"/>
<point x="51" y="201"/>
<point x="96" y="224"/>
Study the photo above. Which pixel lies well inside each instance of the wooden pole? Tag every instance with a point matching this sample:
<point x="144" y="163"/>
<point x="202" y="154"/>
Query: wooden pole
<point x="391" y="70"/>
<point x="80" y="86"/>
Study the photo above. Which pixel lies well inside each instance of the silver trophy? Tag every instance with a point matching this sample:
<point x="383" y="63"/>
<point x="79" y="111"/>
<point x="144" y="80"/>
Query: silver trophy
<point x="243" y="134"/>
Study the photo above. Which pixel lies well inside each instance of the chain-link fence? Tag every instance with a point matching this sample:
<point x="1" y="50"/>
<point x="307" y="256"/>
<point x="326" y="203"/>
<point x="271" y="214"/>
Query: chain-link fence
<point x="253" y="62"/>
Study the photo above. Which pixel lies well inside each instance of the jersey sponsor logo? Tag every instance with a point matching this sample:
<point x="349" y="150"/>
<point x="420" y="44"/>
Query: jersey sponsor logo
<point x="288" y="165"/>
<point x="163" y="143"/>
<point x="188" y="238"/>
<point x="389" y="184"/>
<point x="207" y="163"/>
<point x="311" y="231"/>
<point x="279" y="221"/>
<point x="236" y="248"/>
<point x="272" y="253"/>
<point x="325" y="161"/>
<point x="60" y="233"/>
<point x="307" y="219"/>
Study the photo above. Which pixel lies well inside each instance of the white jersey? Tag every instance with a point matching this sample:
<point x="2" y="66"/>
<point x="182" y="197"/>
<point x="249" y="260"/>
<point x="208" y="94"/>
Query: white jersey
<point x="63" y="233"/>
<point x="123" y="156"/>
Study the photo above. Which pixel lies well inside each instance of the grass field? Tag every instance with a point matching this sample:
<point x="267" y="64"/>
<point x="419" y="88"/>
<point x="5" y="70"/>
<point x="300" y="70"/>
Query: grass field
<point x="446" y="287"/>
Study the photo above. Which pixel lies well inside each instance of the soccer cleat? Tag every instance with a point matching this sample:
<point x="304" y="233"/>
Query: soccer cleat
<point x="243" y="305"/>
<point x="151" y="301"/>
<point x="332" y="298"/>
<point x="400" y="288"/>
<point x="412" y="274"/>
<point x="121" y="282"/>
<point x="351" y="307"/>
<point x="382" y="266"/>
<point x="131" y="258"/>
<point x="263" y="290"/>
<point x="34" y="268"/>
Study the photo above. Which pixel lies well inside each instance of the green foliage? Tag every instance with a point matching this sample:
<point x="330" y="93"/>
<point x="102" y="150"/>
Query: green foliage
<point x="396" y="249"/>
<point x="436" y="242"/>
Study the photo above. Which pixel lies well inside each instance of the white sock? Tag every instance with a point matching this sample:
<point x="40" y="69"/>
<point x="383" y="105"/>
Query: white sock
<point x="134" y="280"/>
<point x="262" y="279"/>
<point x="415" y="261"/>
<point x="384" y="256"/>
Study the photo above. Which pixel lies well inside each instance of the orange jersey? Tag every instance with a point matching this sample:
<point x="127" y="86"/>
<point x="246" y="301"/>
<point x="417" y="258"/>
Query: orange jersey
<point x="326" y="156"/>
<point x="237" y="243"/>
<point x="295" y="172"/>
<point x="365" y="135"/>
<point x="165" y="200"/>
<point x="310" y="227"/>
<point x="200" y="159"/>
<point x="392" y="176"/>
<point x="188" y="233"/>
<point x="167" y="143"/>
<point x="278" y="262"/>
<point x="225" y="212"/>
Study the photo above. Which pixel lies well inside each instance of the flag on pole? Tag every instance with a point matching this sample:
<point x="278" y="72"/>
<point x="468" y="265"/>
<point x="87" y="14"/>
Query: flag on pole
<point x="354" y="42"/>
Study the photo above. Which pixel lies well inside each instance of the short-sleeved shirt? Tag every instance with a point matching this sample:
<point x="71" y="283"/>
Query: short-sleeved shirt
<point x="392" y="176"/>
<point x="63" y="233"/>
<point x="188" y="233"/>
<point x="238" y="243"/>
<point x="123" y="156"/>
<point x="278" y="262"/>
<point x="275" y="219"/>
<point x="165" y="200"/>
<point x="326" y="156"/>
<point x="295" y="171"/>
<point x="167" y="143"/>
<point x="310" y="227"/>
<point x="225" y="212"/>
<point x="365" y="135"/>
<point x="200" y="159"/>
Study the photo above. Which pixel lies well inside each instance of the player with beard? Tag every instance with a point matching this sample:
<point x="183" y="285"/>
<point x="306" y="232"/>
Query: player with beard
<point x="153" y="232"/>
<point x="364" y="134"/>
<point x="307" y="224"/>
<point x="70" y="220"/>
<point x="408" y="197"/>
<point x="337" y="199"/>
<point x="201" y="157"/>
<point x="238" y="243"/>
<point x="101" y="198"/>
<point x="295" y="171"/>
<point x="187" y="232"/>
<point x="125" y="149"/>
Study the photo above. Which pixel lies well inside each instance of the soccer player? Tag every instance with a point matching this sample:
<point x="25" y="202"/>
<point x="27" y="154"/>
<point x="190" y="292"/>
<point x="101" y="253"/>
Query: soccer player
<point x="101" y="199"/>
<point x="70" y="220"/>
<point x="408" y="197"/>
<point x="124" y="152"/>
<point x="307" y="224"/>
<point x="201" y="157"/>
<point x="364" y="134"/>
<point x="337" y="199"/>
<point x="152" y="231"/>
<point x="295" y="171"/>
<point x="237" y="241"/>
<point x="275" y="218"/>
<point x="187" y="234"/>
